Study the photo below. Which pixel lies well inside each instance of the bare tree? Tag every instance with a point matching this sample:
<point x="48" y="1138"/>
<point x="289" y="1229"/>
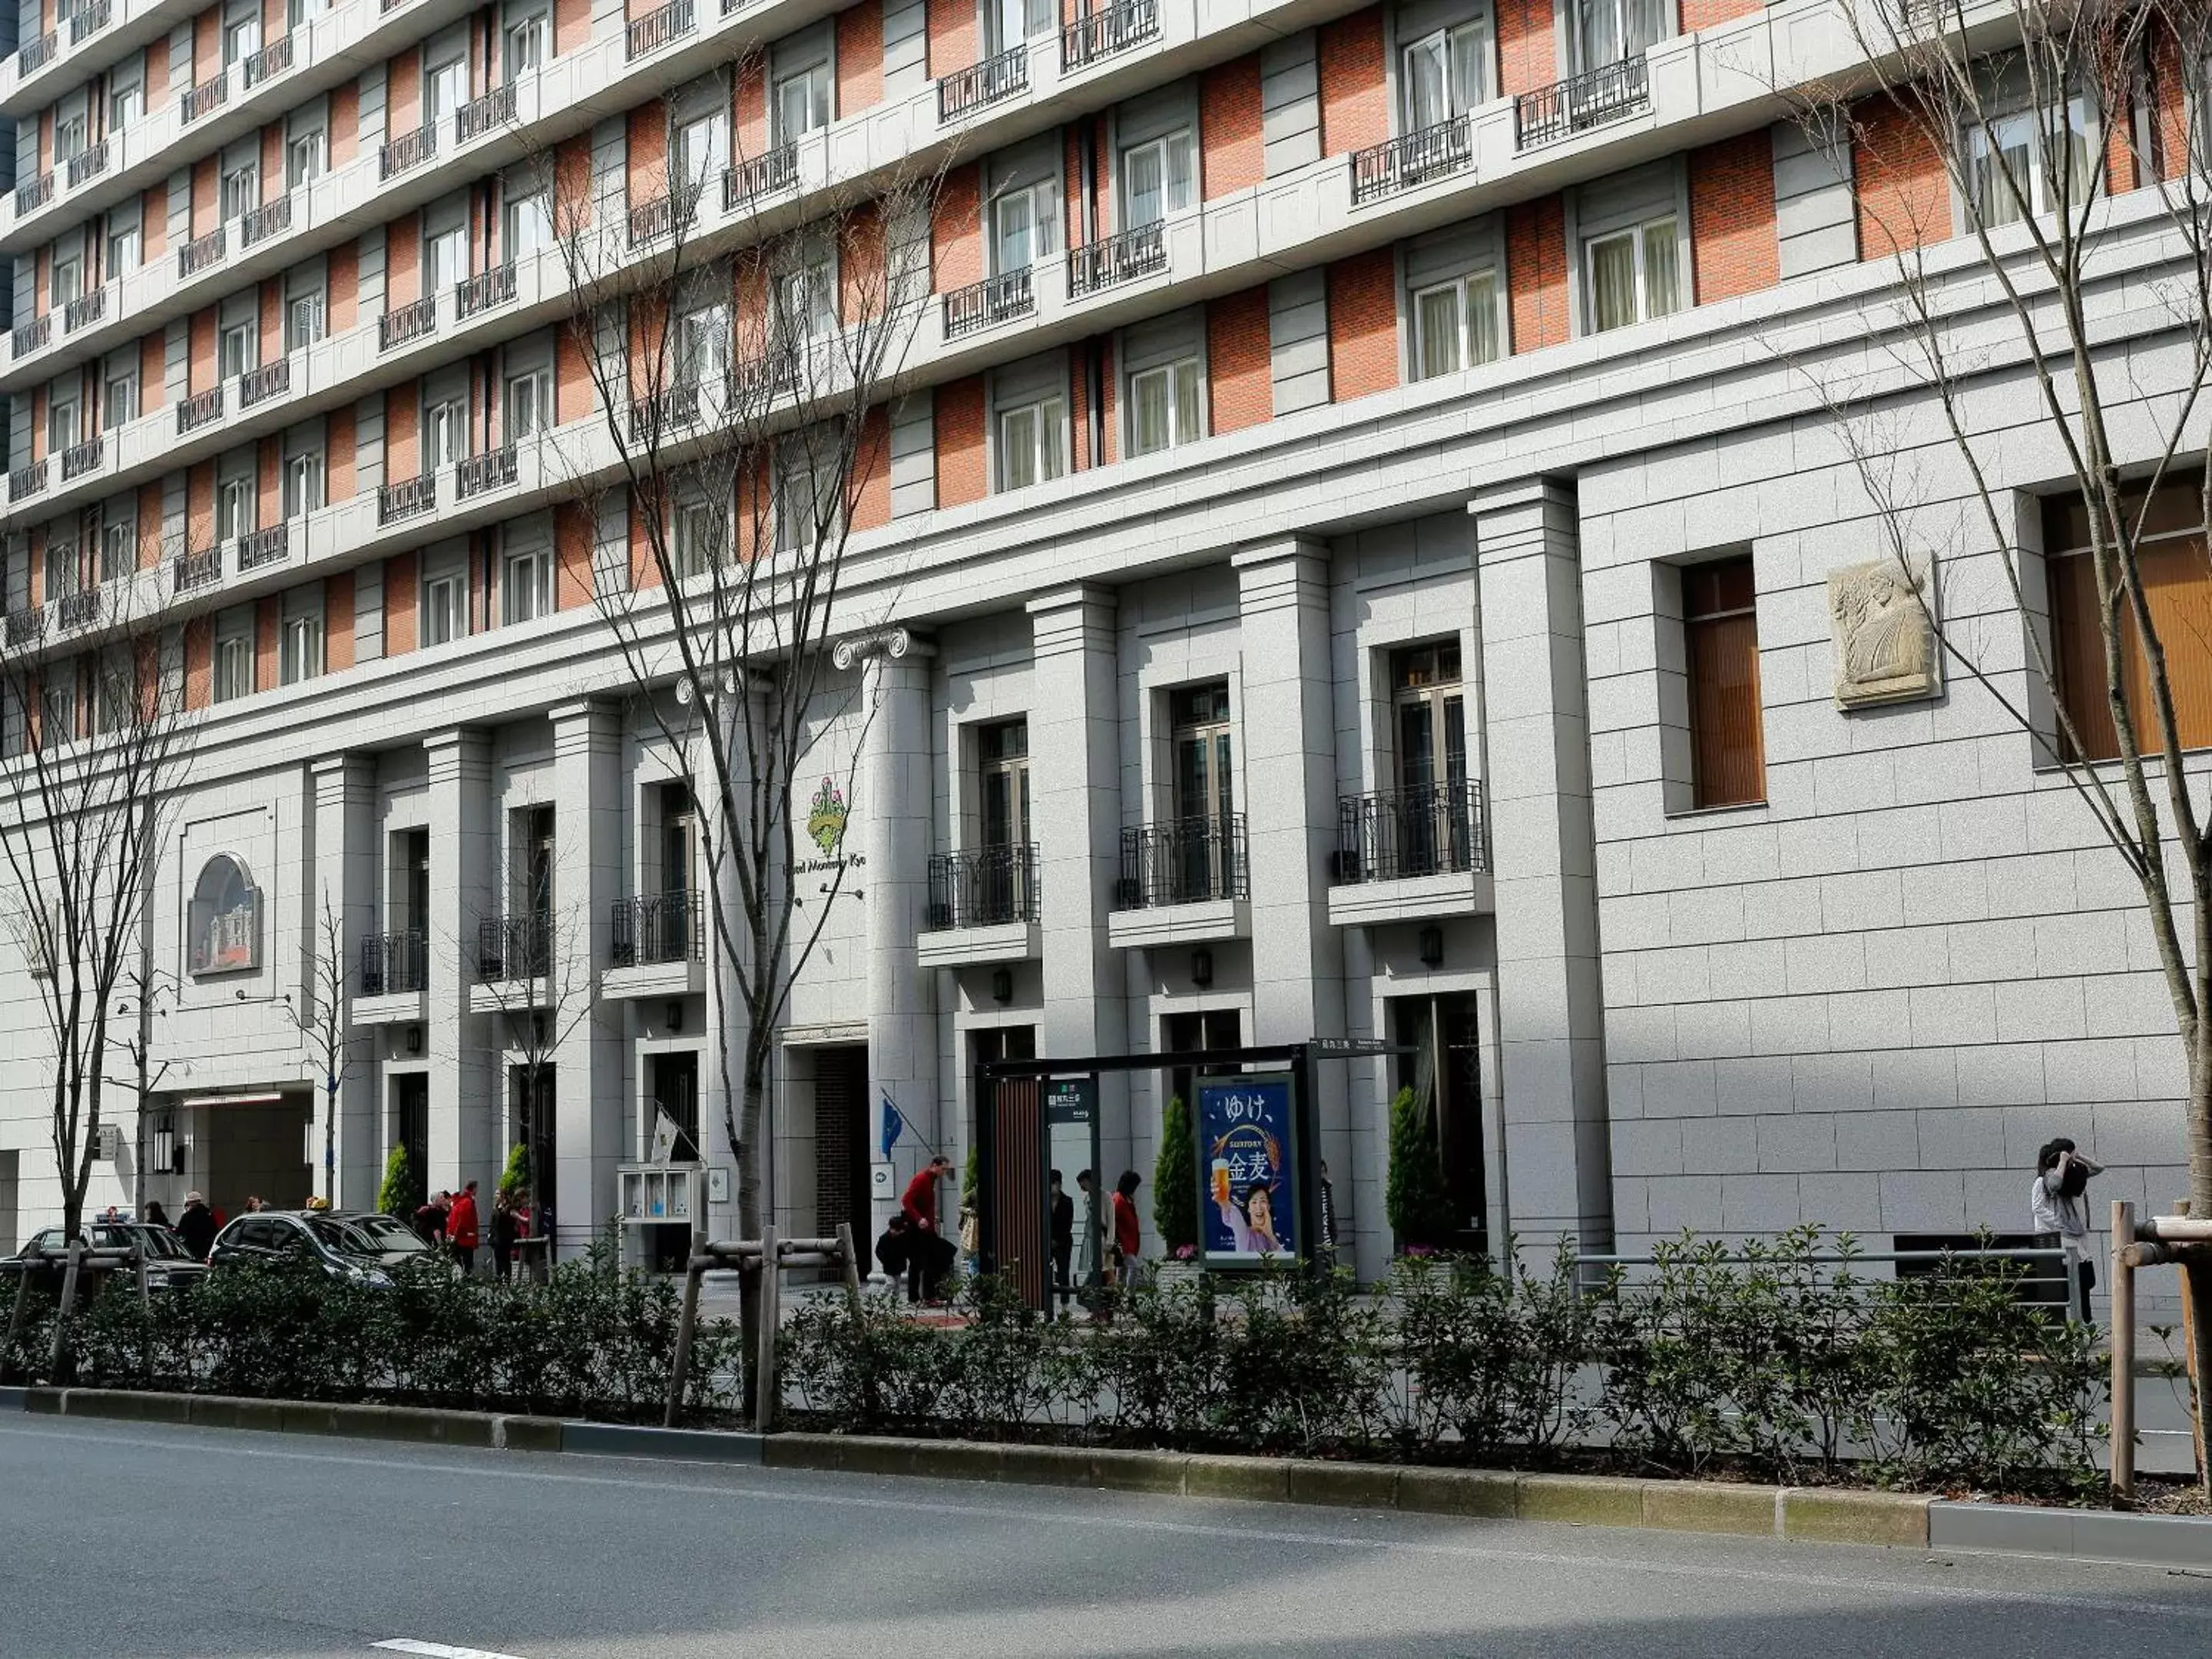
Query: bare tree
<point x="743" y="368"/>
<point x="2037" y="144"/>
<point x="99" y="746"/>
<point x="321" y="1021"/>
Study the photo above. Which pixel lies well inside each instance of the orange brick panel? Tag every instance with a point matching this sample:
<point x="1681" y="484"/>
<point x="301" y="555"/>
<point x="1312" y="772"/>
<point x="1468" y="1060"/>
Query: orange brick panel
<point x="402" y="94"/>
<point x="150" y="526"/>
<point x="860" y="275"/>
<point x="153" y="224"/>
<point x="962" y="473"/>
<point x="957" y="230"/>
<point x="573" y="393"/>
<point x="38" y="423"/>
<point x="272" y="321"/>
<point x="341" y="453"/>
<point x="402" y="445"/>
<point x="1734" y="247"/>
<point x="268" y="467"/>
<point x="345" y="123"/>
<point x="1904" y="196"/>
<point x="342" y="285"/>
<point x="1242" y="392"/>
<point x="572" y="186"/>
<point x="871" y="471"/>
<point x="2169" y="101"/>
<point x="2121" y="174"/>
<point x="1079" y="406"/>
<point x="403" y="256"/>
<point x="204" y="197"/>
<point x="1363" y="325"/>
<point x="1233" y="153"/>
<point x="1536" y="272"/>
<point x="157" y="74"/>
<point x="1527" y="53"/>
<point x="954" y="40"/>
<point x="1704" y="14"/>
<point x="1355" y="101"/>
<point x="199" y="662"/>
<point x="399" y="602"/>
<point x="207" y="46"/>
<point x="152" y="364"/>
<point x="571" y="558"/>
<point x="644" y="515"/>
<point x="267" y="618"/>
<point x="199" y="507"/>
<point x="648" y="154"/>
<point x="571" y="25"/>
<point x="337" y="622"/>
<point x="749" y="123"/>
<point x="273" y="159"/>
<point x="859" y="57"/>
<point x="199" y="359"/>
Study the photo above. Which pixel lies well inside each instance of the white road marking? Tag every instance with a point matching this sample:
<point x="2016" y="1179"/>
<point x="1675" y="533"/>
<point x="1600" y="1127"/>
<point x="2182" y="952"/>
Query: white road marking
<point x="437" y="1650"/>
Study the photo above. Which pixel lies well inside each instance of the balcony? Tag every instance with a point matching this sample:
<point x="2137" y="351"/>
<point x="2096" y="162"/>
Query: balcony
<point x="271" y="61"/>
<point x="480" y="115"/>
<point x="672" y="411"/>
<point x="201" y="253"/>
<point x="1413" y="158"/>
<point x="88" y="20"/>
<point x="663" y="215"/>
<point x="1090" y="40"/>
<point x="1132" y="254"/>
<point x="199" y="409"/>
<point x="34" y="193"/>
<point x="1581" y="103"/>
<point x="965" y="91"/>
<point x="986" y="304"/>
<point x="394" y="969"/>
<point x="764" y="378"/>
<point x="88" y="163"/>
<point x="513" y="947"/>
<point x="984" y="907"/>
<point x="32" y="336"/>
<point x="257" y="548"/>
<point x="1410" y="855"/>
<point x="25" y="480"/>
<point x="746" y="182"/>
<point x="26" y="623"/>
<point x="80" y="459"/>
<point x="36" y="54"/>
<point x="1185" y="882"/>
<point x="188" y="571"/>
<point x="83" y="309"/>
<point x="407" y="151"/>
<point x="492" y="470"/>
<point x="410" y="323"/>
<point x="80" y="609"/>
<point x="494" y="287"/>
<point x="654" y="30"/>
<point x="208" y="95"/>
<point x="406" y="499"/>
<point x="270" y="219"/>
<point x="270" y="380"/>
<point x="657" y="946"/>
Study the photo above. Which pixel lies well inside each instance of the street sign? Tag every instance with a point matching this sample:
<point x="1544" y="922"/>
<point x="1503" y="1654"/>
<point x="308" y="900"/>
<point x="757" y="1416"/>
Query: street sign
<point x="1354" y="1046"/>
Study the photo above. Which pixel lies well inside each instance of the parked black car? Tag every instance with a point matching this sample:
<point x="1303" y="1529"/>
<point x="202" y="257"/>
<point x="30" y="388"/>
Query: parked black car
<point x="361" y="1246"/>
<point x="169" y="1264"/>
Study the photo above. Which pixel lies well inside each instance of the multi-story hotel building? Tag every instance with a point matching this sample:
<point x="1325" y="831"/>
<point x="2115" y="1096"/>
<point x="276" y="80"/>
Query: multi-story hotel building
<point x="1350" y="559"/>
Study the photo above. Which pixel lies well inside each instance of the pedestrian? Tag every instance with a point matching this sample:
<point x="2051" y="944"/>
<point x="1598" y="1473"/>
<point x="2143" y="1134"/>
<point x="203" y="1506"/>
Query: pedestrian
<point x="1128" y="1268"/>
<point x="196" y="1226"/>
<point x="155" y="1215"/>
<point x="429" y="1218"/>
<point x="891" y="1249"/>
<point x="461" y="1229"/>
<point x="919" y="1205"/>
<point x="254" y="1205"/>
<point x="2058" y="1200"/>
<point x="506" y="1228"/>
<point x="1063" y="1238"/>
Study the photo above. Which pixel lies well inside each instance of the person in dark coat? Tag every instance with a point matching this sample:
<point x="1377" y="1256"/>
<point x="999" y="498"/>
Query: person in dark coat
<point x="1063" y="1238"/>
<point x="431" y="1219"/>
<point x="505" y="1229"/>
<point x="891" y="1248"/>
<point x="155" y="1215"/>
<point x="196" y="1226"/>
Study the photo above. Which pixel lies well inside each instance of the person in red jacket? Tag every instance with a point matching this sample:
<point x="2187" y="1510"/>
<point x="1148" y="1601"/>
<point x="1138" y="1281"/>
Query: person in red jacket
<point x="461" y="1229"/>
<point x="927" y="1251"/>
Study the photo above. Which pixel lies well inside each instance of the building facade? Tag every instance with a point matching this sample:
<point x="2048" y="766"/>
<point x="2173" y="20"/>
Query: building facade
<point x="1356" y="554"/>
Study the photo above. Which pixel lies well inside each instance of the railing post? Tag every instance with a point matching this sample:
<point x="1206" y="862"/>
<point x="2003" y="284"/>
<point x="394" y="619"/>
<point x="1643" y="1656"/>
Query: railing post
<point x="2124" y="1354"/>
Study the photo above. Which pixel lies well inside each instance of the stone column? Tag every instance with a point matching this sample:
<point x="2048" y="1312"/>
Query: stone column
<point x="343" y="876"/>
<point x="588" y="1031"/>
<point x="464" y="1092"/>
<point x="1536" y="776"/>
<point x="1075" y="801"/>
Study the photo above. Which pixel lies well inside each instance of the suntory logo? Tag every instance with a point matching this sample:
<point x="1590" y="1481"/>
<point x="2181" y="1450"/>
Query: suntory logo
<point x="825" y="818"/>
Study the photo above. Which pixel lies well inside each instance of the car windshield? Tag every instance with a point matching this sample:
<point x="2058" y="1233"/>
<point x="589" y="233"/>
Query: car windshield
<point x="158" y="1243"/>
<point x="368" y="1234"/>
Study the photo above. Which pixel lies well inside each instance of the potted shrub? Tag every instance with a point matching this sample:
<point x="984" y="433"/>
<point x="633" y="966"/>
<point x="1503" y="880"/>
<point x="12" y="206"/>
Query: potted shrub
<point x="1174" y="1192"/>
<point x="1414" y="1197"/>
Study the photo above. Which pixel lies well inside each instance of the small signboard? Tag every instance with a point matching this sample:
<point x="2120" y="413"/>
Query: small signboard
<point x="882" y="1180"/>
<point x="1248" y="1154"/>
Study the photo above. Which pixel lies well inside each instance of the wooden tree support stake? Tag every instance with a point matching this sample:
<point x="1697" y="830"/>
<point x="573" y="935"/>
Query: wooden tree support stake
<point x="2124" y="1354"/>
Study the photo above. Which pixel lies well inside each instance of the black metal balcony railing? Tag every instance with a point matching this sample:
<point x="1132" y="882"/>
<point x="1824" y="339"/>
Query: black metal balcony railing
<point x="198" y="410"/>
<point x="407" y="498"/>
<point x="270" y="219"/>
<point x="987" y="888"/>
<point x="393" y="964"/>
<point x="480" y="115"/>
<point x="1413" y="158"/>
<point x="658" y="927"/>
<point x="26" y="623"/>
<point x="201" y="252"/>
<point x="1581" y="103"/>
<point x="88" y="20"/>
<point x="745" y="182"/>
<point x="494" y="288"/>
<point x="33" y="335"/>
<point x="80" y="459"/>
<point x="35" y="192"/>
<point x="36" y="54"/>
<point x="88" y="163"/>
<point x="80" y="609"/>
<point x="1433" y="829"/>
<point x="493" y="470"/>
<point x="272" y="59"/>
<point x="986" y="304"/>
<point x="1142" y="252"/>
<point x="513" y="947"/>
<point x="260" y="547"/>
<point x="410" y="322"/>
<point x="270" y="380"/>
<point x="1185" y="862"/>
<point x="409" y="149"/>
<point x="770" y="375"/>
<point x="26" y="480"/>
<point x="85" y="309"/>
<point x="965" y="91"/>
<point x="189" y="570"/>
<point x="1105" y="33"/>
<point x="199" y="99"/>
<point x="657" y="28"/>
<point x="672" y="411"/>
<point x="665" y="214"/>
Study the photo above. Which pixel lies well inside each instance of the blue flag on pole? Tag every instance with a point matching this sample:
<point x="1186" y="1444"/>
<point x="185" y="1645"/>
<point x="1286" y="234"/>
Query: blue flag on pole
<point x="894" y="1126"/>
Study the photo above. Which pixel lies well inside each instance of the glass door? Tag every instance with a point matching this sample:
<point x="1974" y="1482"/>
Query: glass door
<point x="1435" y="827"/>
<point x="1205" y="793"/>
<point x="1003" y="874"/>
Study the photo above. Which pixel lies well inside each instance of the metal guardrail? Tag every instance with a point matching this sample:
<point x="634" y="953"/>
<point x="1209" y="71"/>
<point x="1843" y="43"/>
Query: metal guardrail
<point x="25" y="623"/>
<point x="410" y="322"/>
<point x="80" y="459"/>
<point x="199" y="409"/>
<point x="1581" y="103"/>
<point x="34" y="192"/>
<point x="407" y="498"/>
<point x="88" y="163"/>
<point x="36" y="53"/>
<point x="26" y="480"/>
<point x="88" y="20"/>
<point x="1124" y="257"/>
<point x="672" y="411"/>
<point x="2031" y="1254"/>
<point x="663" y="215"/>
<point x="32" y="336"/>
<point x="260" y="547"/>
<point x="1187" y="861"/>
<point x="270" y="380"/>
<point x="744" y="182"/>
<point x="408" y="150"/>
<point x="83" y="309"/>
<point x="657" y="28"/>
<point x="189" y="570"/>
<point x="202" y="252"/>
<point x="272" y="59"/>
<point x="1102" y="34"/>
<point x="1397" y="833"/>
<point x="658" y="927"/>
<point x="985" y="888"/>
<point x="270" y="219"/>
<point x="199" y="99"/>
<point x="481" y="293"/>
<point x="1412" y="159"/>
<point x="480" y="115"/>
<point x="986" y="304"/>
<point x="513" y="947"/>
<point x="80" y="609"/>
<point x="492" y="470"/>
<point x="393" y="964"/>
<point x="965" y="91"/>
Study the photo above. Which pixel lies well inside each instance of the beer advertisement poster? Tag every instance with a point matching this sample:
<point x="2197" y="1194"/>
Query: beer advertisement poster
<point x="1247" y="1164"/>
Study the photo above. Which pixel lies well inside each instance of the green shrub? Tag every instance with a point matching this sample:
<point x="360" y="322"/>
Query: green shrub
<point x="1175" y="1180"/>
<point x="514" y="1179"/>
<point x="1414" y="1197"/>
<point x="401" y="1193"/>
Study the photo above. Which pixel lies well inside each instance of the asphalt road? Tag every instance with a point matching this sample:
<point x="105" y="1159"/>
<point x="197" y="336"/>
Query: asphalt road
<point x="123" y="1541"/>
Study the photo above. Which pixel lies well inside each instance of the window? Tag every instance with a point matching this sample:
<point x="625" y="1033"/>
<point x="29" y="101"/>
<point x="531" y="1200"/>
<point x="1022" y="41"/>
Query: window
<point x="234" y="507"/>
<point x="124" y="105"/>
<point x="702" y="533"/>
<point x="2030" y="154"/>
<point x="57" y="705"/>
<point x="529" y="227"/>
<point x="445" y="434"/>
<point x="114" y="690"/>
<point x="69" y="138"/>
<point x="1002" y="886"/>
<point x="806" y="302"/>
<point x="304" y="321"/>
<point x="241" y="40"/>
<point x="304" y="158"/>
<point x="118" y="548"/>
<point x="233" y="665"/>
<point x="445" y="260"/>
<point x="526" y="586"/>
<point x="1634" y="274"/>
<point x="299" y="649"/>
<point x="241" y="189"/>
<point x="1444" y="74"/>
<point x="68" y="279"/>
<point x="808" y="502"/>
<point x="1024" y="227"/>
<point x="1455" y="325"/>
<point x="702" y="346"/>
<point x="299" y="11"/>
<point x="62" y="569"/>
<point x="1158" y="178"/>
<point x="123" y="251"/>
<point x="234" y="347"/>
<point x="1032" y="444"/>
<point x="303" y="482"/>
<point x="445" y="608"/>
<point x="525" y="404"/>
<point x="1014" y="22"/>
<point x="445" y="89"/>
<point x="802" y="104"/>
<point x="1720" y="633"/>
<point x="1164" y="408"/>
<point x="2176" y="581"/>
<point x="226" y="921"/>
<point x="702" y="149"/>
<point x="1607" y="31"/>
<point x="62" y="429"/>
<point x="1202" y="864"/>
<point x="526" y="47"/>
<point x="119" y="401"/>
<point x="1431" y="830"/>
